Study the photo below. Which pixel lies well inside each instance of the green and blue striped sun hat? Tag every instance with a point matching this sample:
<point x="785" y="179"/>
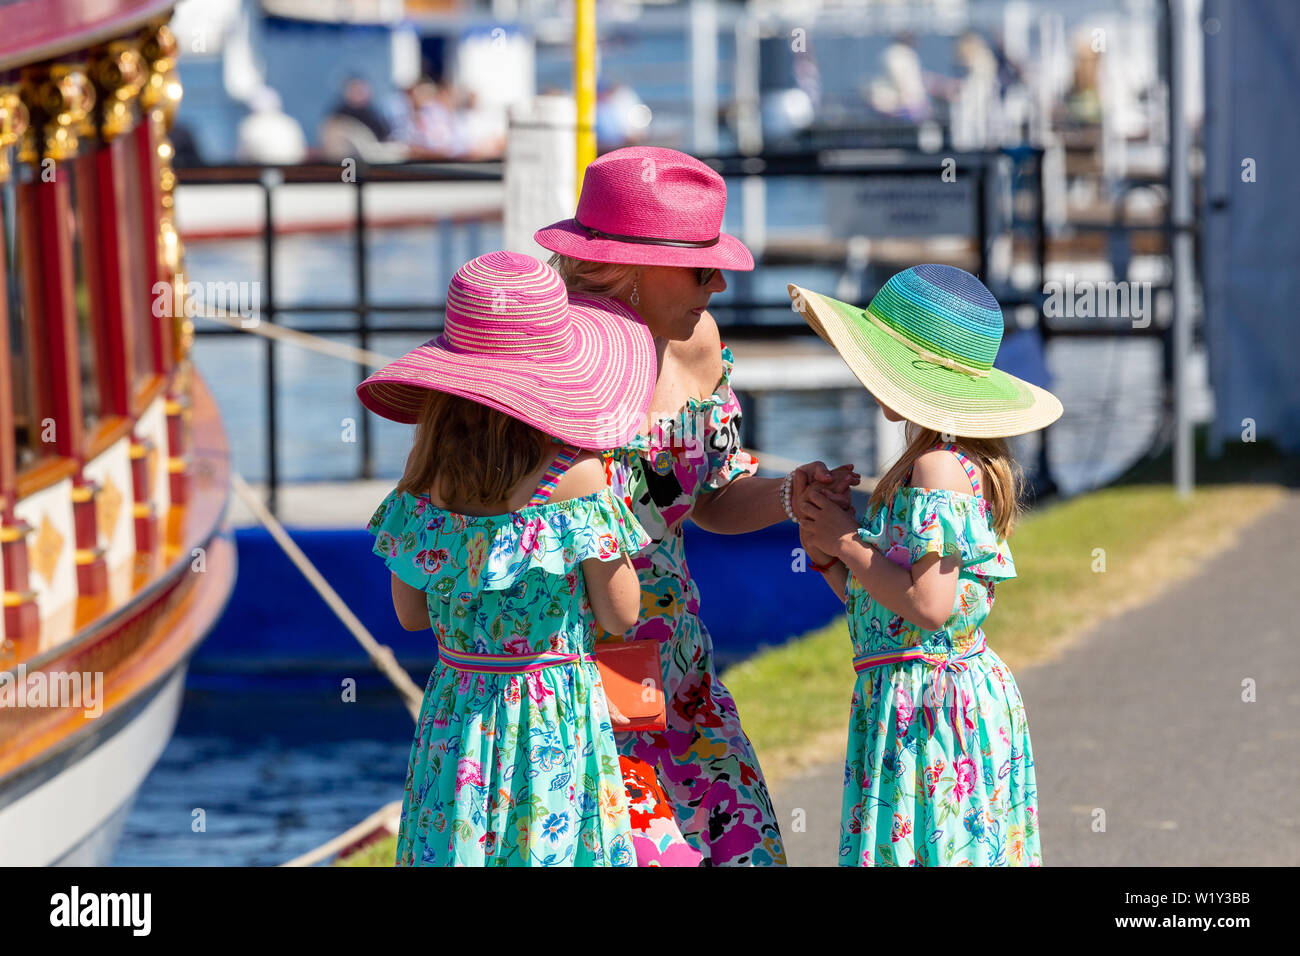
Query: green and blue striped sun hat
<point x="925" y="347"/>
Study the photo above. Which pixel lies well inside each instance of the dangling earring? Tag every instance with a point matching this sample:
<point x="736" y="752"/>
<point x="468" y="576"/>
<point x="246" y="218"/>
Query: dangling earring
<point x="635" y="298"/>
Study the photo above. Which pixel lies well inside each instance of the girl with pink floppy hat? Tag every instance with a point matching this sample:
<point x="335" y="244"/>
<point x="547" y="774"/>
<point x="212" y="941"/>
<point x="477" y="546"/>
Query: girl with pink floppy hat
<point x="647" y="233"/>
<point x="504" y="537"/>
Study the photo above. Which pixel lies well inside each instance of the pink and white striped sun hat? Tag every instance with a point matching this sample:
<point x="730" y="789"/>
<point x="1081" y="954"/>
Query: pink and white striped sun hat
<point x="581" y="368"/>
<point x="647" y="205"/>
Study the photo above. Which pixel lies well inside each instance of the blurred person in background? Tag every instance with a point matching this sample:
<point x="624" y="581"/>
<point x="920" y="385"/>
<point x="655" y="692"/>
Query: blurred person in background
<point x="1083" y="103"/>
<point x="268" y="134"/>
<point x="357" y="102"/>
<point x="901" y="92"/>
<point x="485" y="128"/>
<point x="185" y="148"/>
<point x="975" y="115"/>
<point x="435" y="128"/>
<point x="621" y="117"/>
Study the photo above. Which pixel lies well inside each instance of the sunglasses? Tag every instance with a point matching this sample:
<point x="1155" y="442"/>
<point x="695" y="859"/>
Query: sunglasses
<point x="705" y="275"/>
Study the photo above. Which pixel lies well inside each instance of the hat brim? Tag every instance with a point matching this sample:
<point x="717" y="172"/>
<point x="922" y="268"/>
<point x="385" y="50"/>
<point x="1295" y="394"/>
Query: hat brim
<point x="998" y="405"/>
<point x="595" y="396"/>
<point x="569" y="239"/>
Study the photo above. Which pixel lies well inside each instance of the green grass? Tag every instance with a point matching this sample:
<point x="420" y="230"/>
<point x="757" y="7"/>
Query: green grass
<point x="1147" y="538"/>
<point x="380" y="853"/>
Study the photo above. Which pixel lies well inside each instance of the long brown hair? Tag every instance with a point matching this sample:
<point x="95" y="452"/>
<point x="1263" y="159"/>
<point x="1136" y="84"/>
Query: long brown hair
<point x="474" y="454"/>
<point x="1002" y="481"/>
<point x="611" y="279"/>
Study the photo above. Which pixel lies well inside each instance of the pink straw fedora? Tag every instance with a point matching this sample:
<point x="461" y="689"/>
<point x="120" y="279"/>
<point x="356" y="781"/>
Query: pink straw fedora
<point x="581" y="368"/>
<point x="649" y="206"/>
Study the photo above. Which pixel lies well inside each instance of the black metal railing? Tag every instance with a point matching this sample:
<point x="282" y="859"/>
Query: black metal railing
<point x="738" y="315"/>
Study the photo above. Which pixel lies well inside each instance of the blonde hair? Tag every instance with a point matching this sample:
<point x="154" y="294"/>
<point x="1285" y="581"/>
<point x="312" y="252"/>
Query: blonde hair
<point x="613" y="279"/>
<point x="1003" y="477"/>
<point x="473" y="453"/>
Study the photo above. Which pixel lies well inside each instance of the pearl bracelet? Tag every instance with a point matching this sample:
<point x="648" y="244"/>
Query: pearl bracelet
<point x="786" y="485"/>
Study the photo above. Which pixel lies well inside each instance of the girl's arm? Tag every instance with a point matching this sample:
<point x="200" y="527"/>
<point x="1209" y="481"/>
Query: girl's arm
<point x="924" y="593"/>
<point x="831" y="568"/>
<point x="612" y="586"/>
<point x="836" y="577"/>
<point x="411" y="605"/>
<point x="614" y="591"/>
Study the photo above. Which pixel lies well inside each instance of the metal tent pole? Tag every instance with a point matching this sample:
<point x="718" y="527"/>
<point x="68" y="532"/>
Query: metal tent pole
<point x="1181" y="203"/>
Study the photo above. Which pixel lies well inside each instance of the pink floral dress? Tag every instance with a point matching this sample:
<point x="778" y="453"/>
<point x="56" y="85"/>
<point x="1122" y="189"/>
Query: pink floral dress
<point x="703" y="760"/>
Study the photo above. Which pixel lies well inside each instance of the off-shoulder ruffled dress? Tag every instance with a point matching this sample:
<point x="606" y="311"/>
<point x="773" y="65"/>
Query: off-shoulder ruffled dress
<point x="511" y="769"/>
<point x="939" y="768"/>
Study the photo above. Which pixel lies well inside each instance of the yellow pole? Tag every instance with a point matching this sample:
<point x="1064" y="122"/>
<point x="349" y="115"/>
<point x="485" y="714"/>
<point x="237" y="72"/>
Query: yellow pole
<point x="584" y="85"/>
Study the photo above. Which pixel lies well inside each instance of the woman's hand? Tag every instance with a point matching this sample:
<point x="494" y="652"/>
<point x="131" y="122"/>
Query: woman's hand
<point x="815" y="474"/>
<point x="823" y="521"/>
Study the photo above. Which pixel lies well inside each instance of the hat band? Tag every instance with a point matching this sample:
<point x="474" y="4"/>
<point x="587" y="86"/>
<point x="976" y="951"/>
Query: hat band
<point x="924" y="352"/>
<point x="685" y="243"/>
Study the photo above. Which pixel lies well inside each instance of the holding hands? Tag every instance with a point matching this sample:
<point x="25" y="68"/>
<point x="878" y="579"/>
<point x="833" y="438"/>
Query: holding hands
<point x="821" y="502"/>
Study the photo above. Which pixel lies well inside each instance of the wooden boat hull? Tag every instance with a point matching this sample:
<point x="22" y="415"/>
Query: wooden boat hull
<point x="69" y="776"/>
<point x="79" y="800"/>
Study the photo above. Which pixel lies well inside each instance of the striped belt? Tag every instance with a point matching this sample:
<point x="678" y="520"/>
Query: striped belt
<point x="936" y="692"/>
<point x="507" y="663"/>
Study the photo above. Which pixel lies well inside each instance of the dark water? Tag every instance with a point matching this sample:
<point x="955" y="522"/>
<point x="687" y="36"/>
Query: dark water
<point x="277" y="771"/>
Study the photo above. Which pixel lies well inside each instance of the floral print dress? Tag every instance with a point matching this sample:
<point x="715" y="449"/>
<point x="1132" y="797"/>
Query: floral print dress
<point x="939" y="769"/>
<point x="704" y="761"/>
<point x="513" y="768"/>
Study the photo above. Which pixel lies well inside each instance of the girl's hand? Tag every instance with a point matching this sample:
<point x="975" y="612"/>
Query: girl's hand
<point x="837" y="497"/>
<point x="815" y="474"/>
<point x="823" y="522"/>
<point x="615" y="714"/>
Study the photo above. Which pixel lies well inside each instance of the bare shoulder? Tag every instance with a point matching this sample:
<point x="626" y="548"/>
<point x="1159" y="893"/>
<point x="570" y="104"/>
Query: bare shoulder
<point x="584" y="477"/>
<point x="701" y="355"/>
<point x="940" y="469"/>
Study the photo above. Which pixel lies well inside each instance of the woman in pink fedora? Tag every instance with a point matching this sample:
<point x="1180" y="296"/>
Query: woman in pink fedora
<point x="648" y="233"/>
<point x="504" y="537"/>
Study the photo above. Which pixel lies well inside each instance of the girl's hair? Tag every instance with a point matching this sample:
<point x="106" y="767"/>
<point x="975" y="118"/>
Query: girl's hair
<point x="1002" y="482"/>
<point x="612" y="279"/>
<point x="475" y="454"/>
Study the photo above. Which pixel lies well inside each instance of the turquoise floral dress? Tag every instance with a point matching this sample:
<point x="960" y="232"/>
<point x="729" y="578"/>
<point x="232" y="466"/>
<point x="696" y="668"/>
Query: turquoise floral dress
<point x="939" y="769"/>
<point x="517" y="767"/>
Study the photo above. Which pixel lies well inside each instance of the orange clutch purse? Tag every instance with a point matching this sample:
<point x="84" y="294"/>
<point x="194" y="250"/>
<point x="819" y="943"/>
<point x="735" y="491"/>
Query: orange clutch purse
<point x="633" y="680"/>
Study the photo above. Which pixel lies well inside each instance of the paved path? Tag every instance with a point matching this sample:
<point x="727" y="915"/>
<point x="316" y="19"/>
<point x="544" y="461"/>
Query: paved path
<point x="1142" y="717"/>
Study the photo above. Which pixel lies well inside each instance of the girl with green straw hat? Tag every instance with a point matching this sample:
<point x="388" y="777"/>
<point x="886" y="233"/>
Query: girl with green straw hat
<point x="939" y="769"/>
